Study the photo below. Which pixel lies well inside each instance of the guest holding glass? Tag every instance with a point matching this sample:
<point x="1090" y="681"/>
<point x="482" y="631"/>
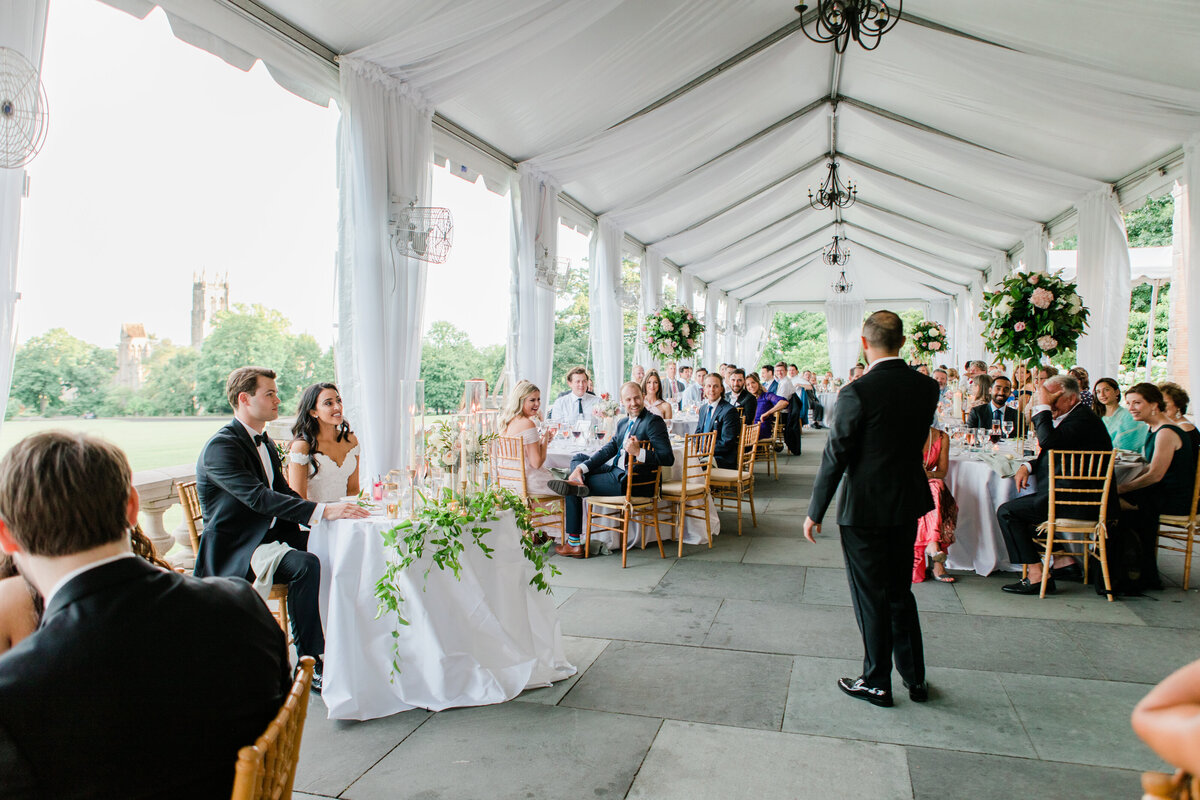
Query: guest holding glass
<point x="997" y="410"/>
<point x="577" y="403"/>
<point x="935" y="530"/>
<point x="323" y="456"/>
<point x="1126" y="432"/>
<point x="652" y="389"/>
<point x="519" y="421"/>
<point x="768" y="404"/>
<point x="1164" y="488"/>
<point x="1176" y="400"/>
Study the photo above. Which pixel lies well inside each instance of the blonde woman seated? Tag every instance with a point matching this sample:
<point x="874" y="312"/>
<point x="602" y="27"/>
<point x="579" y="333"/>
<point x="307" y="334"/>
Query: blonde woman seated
<point x="323" y="462"/>
<point x="652" y="389"/>
<point x="519" y="421"/>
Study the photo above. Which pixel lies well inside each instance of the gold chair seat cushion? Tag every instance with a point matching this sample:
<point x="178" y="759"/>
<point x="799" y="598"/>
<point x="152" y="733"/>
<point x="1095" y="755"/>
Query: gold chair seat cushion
<point x="675" y="489"/>
<point x="618" y="501"/>
<point x="1171" y="519"/>
<point x="724" y="475"/>
<point x="1068" y="523"/>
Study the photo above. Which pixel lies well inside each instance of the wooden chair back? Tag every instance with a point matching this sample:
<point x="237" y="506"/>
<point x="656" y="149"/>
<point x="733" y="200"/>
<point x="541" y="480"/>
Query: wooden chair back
<point x="777" y="432"/>
<point x="267" y="768"/>
<point x="747" y="447"/>
<point x="645" y="485"/>
<point x="508" y="464"/>
<point x="697" y="457"/>
<point x="1079" y="482"/>
<point x="1164" y="786"/>
<point x="192" y="515"/>
<point x="1182" y="529"/>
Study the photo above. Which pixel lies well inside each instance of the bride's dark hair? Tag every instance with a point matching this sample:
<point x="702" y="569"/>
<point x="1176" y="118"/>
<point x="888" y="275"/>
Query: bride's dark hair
<point x="306" y="427"/>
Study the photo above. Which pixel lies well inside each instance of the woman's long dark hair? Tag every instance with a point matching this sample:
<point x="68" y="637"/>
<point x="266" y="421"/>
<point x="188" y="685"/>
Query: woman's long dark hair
<point x="306" y="427"/>
<point x="1099" y="407"/>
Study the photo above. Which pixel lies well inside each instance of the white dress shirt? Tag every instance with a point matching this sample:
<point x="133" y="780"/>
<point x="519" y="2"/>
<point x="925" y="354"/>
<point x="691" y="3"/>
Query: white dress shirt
<point x="693" y="395"/>
<point x="567" y="408"/>
<point x="75" y="573"/>
<point x="785" y="388"/>
<point x="871" y="366"/>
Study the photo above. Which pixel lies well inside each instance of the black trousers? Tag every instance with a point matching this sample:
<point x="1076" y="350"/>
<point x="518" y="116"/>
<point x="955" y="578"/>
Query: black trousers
<point x="301" y="571"/>
<point x="1018" y="520"/>
<point x="879" y="566"/>
<point x="604" y="481"/>
<point x="814" y="405"/>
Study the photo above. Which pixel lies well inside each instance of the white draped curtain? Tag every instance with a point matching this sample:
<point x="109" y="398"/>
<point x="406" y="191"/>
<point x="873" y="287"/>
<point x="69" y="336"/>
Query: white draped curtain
<point x="607" y="324"/>
<point x="1036" y="243"/>
<point x="651" y="300"/>
<point x="685" y="291"/>
<point x="22" y="28"/>
<point x="385" y="152"/>
<point x="1191" y="219"/>
<point x="709" y="343"/>
<point x="757" y="320"/>
<point x="729" y="346"/>
<point x="1102" y="272"/>
<point x="534" y="236"/>
<point x="843" y="324"/>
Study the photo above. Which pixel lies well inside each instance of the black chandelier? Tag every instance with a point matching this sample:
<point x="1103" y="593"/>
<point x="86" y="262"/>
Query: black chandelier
<point x="833" y="192"/>
<point x="834" y="254"/>
<point x="839" y="21"/>
<point x="841" y="285"/>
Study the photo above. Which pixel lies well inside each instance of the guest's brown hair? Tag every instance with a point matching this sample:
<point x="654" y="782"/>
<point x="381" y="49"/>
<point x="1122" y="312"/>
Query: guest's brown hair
<point x="1149" y="392"/>
<point x="577" y="371"/>
<point x="1177" y="393"/>
<point x="245" y="379"/>
<point x="63" y="493"/>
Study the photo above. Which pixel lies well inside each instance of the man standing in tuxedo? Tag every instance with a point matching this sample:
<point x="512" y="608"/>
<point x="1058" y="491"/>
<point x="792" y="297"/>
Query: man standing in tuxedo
<point x="876" y="441"/>
<point x="739" y="397"/>
<point x="248" y="506"/>
<point x="1062" y="423"/>
<point x="604" y="472"/>
<point x="718" y="415"/>
<point x="90" y="703"/>
<point x="995" y="411"/>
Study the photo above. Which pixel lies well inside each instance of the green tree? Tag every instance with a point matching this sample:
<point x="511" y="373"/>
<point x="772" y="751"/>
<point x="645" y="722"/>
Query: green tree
<point x="58" y="373"/>
<point x="242" y="336"/>
<point x="799" y="339"/>
<point x="170" y="387"/>
<point x="1152" y="225"/>
<point x="448" y="359"/>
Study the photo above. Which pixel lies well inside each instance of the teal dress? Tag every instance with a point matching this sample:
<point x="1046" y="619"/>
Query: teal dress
<point x="1125" y="431"/>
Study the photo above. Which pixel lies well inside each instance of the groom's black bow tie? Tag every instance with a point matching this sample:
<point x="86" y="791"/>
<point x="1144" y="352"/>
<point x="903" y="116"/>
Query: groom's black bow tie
<point x="260" y="439"/>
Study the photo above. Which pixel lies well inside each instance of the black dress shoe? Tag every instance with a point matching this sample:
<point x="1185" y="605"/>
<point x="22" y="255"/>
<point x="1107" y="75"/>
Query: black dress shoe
<point x="856" y="688"/>
<point x="918" y="692"/>
<point x="317" y="678"/>
<point x="1071" y="572"/>
<point x="566" y="488"/>
<point x="1023" y="586"/>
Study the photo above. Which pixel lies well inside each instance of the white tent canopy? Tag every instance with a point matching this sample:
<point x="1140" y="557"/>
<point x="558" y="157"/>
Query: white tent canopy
<point x="695" y="127"/>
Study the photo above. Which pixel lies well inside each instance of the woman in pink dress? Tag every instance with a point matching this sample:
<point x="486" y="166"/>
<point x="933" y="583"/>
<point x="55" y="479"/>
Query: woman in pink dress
<point x="935" y="530"/>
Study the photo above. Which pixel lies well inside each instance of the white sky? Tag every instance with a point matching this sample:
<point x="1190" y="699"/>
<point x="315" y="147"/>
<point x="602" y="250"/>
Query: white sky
<point x="162" y="161"/>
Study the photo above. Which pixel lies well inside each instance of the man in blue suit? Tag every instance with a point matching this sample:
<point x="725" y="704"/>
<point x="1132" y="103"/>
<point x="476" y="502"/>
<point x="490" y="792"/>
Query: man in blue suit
<point x="604" y="472"/>
<point x="718" y="414"/>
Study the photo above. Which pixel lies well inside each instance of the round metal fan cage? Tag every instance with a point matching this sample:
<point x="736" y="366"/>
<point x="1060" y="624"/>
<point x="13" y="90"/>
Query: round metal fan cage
<point x="425" y="233"/>
<point x="23" y="110"/>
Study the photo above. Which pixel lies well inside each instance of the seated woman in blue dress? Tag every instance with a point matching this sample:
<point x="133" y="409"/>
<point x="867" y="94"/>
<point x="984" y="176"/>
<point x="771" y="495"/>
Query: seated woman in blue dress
<point x="769" y="405"/>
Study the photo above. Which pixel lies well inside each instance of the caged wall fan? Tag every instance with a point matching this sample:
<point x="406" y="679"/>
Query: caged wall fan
<point x="22" y="110"/>
<point x="425" y="233"/>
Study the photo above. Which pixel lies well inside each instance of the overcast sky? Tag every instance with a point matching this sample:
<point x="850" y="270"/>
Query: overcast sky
<point x="163" y="161"/>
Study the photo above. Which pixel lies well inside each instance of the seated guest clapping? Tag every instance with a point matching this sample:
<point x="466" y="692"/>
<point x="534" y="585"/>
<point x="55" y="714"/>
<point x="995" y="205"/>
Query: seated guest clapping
<point x="767" y="405"/>
<point x="576" y="404"/>
<point x="604" y="472"/>
<point x="997" y="410"/>
<point x="718" y="414"/>
<point x="323" y="462"/>
<point x="252" y="517"/>
<point x="90" y="704"/>
<point x="1061" y="423"/>
<point x="652" y="391"/>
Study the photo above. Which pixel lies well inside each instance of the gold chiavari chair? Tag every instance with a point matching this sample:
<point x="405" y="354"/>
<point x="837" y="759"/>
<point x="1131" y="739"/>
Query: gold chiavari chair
<point x="737" y="484"/>
<point x="688" y="498"/>
<point x="266" y="770"/>
<point x="508" y="470"/>
<point x="616" y="513"/>
<point x="1182" y="529"/>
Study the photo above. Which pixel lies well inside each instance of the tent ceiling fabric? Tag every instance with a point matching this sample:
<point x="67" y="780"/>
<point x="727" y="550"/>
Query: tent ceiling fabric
<point x="698" y="126"/>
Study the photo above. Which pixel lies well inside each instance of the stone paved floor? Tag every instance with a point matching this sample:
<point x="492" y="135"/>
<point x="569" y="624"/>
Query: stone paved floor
<point x="712" y="676"/>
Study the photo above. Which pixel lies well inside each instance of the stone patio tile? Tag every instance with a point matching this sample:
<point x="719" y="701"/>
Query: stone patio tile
<point x="725" y="548"/>
<point x="942" y="774"/>
<point x="1074" y="602"/>
<point x="689" y="761"/>
<point x="745" y="690"/>
<point x="334" y="753"/>
<point x="306" y="796"/>
<point x="766" y="582"/>
<point x="513" y="750"/>
<point x="783" y="628"/>
<point x="1170" y="608"/>
<point x="1135" y="653"/>
<point x="562" y="593"/>
<point x="967" y="710"/>
<point x="828" y="586"/>
<point x="1083" y="722"/>
<point x="581" y="652"/>
<point x="790" y="501"/>
<point x="638" y="617"/>
<point x="795" y="551"/>
<point x="1003" y="644"/>
<point x="604" y="572"/>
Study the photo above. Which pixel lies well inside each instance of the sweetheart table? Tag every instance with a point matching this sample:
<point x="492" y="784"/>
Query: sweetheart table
<point x="475" y="641"/>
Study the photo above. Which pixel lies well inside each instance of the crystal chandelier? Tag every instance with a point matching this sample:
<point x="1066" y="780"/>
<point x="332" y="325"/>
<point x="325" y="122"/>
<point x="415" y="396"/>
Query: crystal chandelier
<point x="834" y="254"/>
<point x="833" y="192"/>
<point x="841" y="285"/>
<point x="839" y="21"/>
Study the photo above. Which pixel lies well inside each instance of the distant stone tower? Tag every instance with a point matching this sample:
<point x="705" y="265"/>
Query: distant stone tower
<point x="207" y="300"/>
<point x="131" y="352"/>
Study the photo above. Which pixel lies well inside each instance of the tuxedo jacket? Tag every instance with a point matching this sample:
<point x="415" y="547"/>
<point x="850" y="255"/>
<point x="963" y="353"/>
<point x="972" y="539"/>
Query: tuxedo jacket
<point x="1080" y="429"/>
<point x="239" y="503"/>
<point x="981" y="416"/>
<point x="727" y="422"/>
<point x="648" y="426"/>
<point x="140" y="683"/>
<point x="747" y="404"/>
<point x="876" y="442"/>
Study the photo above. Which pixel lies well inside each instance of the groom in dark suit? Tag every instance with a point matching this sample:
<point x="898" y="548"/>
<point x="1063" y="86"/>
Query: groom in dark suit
<point x="718" y="414"/>
<point x="247" y="503"/>
<point x="876" y="441"/>
<point x="604" y="472"/>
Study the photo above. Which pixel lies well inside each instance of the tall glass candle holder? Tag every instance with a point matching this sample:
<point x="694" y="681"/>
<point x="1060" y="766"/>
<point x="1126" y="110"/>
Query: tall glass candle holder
<point x="413" y="465"/>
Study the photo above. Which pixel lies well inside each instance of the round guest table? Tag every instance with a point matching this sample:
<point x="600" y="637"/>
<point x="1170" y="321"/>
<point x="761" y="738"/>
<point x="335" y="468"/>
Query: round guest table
<point x="828" y="404"/>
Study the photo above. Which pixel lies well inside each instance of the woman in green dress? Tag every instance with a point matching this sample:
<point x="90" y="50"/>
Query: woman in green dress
<point x="1126" y="432"/>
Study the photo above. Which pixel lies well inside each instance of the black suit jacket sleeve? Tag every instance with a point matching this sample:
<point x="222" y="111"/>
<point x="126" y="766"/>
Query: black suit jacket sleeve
<point x="226" y="463"/>
<point x="843" y="441"/>
<point x="653" y="430"/>
<point x="748" y="404"/>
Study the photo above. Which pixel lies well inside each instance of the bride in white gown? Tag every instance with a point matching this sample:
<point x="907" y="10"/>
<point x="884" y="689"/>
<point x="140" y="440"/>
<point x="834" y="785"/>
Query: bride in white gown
<point x="323" y="457"/>
<point x="519" y="421"/>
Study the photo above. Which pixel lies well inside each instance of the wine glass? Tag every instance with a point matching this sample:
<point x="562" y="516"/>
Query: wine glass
<point x="994" y="436"/>
<point x="1008" y="428"/>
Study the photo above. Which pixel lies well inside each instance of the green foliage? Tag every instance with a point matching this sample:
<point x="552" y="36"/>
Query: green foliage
<point x="799" y="339"/>
<point x="1017" y="327"/>
<point x="1152" y="224"/>
<point x="1139" y="318"/>
<point x="55" y="372"/>
<point x="170" y="387"/>
<point x="242" y="336"/>
<point x="448" y="359"/>
<point x="442" y="526"/>
<point x="573" y="324"/>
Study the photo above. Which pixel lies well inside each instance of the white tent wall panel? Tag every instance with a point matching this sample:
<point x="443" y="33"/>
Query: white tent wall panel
<point x="1191" y="254"/>
<point x="607" y="332"/>
<point x="1103" y="278"/>
<point x="534" y="231"/>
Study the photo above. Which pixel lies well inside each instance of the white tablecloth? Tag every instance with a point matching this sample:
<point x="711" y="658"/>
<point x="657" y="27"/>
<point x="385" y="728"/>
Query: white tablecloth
<point x="682" y="425"/>
<point x="475" y="641"/>
<point x="559" y="456"/>
<point x="828" y="404"/>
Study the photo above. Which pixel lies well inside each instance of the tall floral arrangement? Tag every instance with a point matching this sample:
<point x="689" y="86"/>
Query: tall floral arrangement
<point x="928" y="337"/>
<point x="673" y="332"/>
<point x="1031" y="315"/>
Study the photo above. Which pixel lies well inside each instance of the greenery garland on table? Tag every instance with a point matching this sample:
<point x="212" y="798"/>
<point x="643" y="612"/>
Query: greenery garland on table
<point x="673" y="332"/>
<point x="928" y="338"/>
<point x="444" y="525"/>
<point x="1033" y="314"/>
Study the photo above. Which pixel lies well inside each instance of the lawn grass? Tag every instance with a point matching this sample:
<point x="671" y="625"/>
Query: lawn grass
<point x="150" y="443"/>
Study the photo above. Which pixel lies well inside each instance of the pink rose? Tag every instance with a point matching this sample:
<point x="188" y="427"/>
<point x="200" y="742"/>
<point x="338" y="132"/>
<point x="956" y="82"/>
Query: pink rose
<point x="1042" y="298"/>
<point x="1020" y="326"/>
<point x="691" y="344"/>
<point x="935" y="345"/>
<point x="1033" y="279"/>
<point x="1047" y="343"/>
<point x="668" y="326"/>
